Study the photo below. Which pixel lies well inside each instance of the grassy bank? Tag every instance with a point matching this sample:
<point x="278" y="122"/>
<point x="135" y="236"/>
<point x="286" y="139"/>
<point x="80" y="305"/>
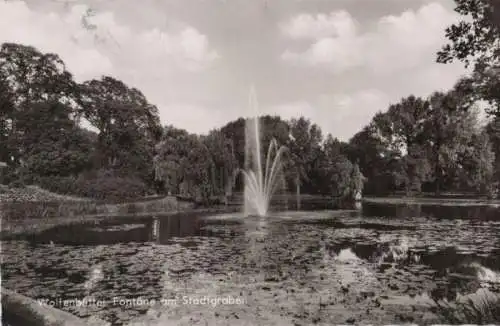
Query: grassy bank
<point x="35" y="216"/>
<point x="37" y="225"/>
<point x="432" y="201"/>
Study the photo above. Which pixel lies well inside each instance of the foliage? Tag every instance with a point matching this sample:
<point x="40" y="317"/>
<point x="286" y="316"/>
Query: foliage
<point x="479" y="160"/>
<point x="476" y="39"/>
<point x="304" y="147"/>
<point x="52" y="143"/>
<point x="483" y="311"/>
<point x="431" y="143"/>
<point x="223" y="166"/>
<point x="184" y="163"/>
<point x="128" y="124"/>
<point x="107" y="185"/>
<point x="28" y="76"/>
<point x="100" y="185"/>
<point x="417" y="144"/>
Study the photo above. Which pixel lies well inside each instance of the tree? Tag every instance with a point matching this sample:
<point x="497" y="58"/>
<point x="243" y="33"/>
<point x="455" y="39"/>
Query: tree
<point x="369" y="149"/>
<point x="493" y="130"/>
<point x="449" y="128"/>
<point x="304" y="145"/>
<point x="29" y="76"/>
<point x="235" y="132"/>
<point x="357" y="182"/>
<point x="184" y="163"/>
<point x="6" y="120"/>
<point x="224" y="162"/>
<point x="129" y="126"/>
<point x="53" y="144"/>
<point x="341" y="178"/>
<point x="34" y="76"/>
<point x="476" y="39"/>
<point x="167" y="161"/>
<point x="478" y="165"/>
<point x="407" y="120"/>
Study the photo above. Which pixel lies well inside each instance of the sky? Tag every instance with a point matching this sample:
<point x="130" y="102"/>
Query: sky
<point x="337" y="62"/>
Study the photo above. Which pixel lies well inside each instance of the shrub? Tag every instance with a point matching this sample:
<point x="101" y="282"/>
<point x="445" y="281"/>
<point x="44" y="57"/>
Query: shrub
<point x="59" y="185"/>
<point x="107" y="186"/>
<point x="100" y="185"/>
<point x="484" y="310"/>
<point x="17" y="184"/>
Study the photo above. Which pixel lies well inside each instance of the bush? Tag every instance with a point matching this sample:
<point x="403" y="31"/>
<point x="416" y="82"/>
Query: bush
<point x="19" y="184"/>
<point x="107" y="186"/>
<point x="482" y="311"/>
<point x="59" y="185"/>
<point x="101" y="185"/>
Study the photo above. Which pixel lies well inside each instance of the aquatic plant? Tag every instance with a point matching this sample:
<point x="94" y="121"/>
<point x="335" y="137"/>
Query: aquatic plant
<point x="483" y="310"/>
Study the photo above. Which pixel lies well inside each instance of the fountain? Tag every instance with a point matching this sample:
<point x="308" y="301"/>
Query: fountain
<point x="259" y="184"/>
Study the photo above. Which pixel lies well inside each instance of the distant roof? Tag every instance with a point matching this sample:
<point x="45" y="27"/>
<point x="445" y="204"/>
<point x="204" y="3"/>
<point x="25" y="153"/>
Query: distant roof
<point x="3" y="164"/>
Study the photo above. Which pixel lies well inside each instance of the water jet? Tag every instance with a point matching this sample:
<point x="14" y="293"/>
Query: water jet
<point x="260" y="182"/>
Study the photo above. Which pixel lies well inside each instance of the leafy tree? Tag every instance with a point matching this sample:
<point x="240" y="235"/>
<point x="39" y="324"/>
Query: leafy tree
<point x="478" y="164"/>
<point x="167" y="161"/>
<point x="196" y="168"/>
<point x="6" y="120"/>
<point x="380" y="150"/>
<point x="407" y="120"/>
<point x="341" y="178"/>
<point x="185" y="164"/>
<point x="224" y="162"/>
<point x="449" y="129"/>
<point x="34" y="76"/>
<point x="357" y="180"/>
<point x="53" y="143"/>
<point x="29" y="76"/>
<point x="493" y="130"/>
<point x="476" y="39"/>
<point x="337" y="176"/>
<point x="304" y="145"/>
<point x="128" y="125"/>
<point x="235" y="132"/>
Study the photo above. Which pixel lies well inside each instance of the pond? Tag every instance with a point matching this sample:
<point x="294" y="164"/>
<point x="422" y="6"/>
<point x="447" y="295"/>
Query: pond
<point x="380" y="263"/>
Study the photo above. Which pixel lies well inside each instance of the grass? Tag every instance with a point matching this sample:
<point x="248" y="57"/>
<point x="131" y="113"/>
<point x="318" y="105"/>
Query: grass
<point x="483" y="311"/>
<point x="431" y="201"/>
<point x="32" y="217"/>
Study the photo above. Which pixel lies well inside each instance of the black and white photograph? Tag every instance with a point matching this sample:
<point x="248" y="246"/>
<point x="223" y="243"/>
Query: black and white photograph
<point x="249" y="162"/>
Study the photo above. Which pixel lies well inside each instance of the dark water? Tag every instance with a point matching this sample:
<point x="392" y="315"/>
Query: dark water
<point x="393" y="251"/>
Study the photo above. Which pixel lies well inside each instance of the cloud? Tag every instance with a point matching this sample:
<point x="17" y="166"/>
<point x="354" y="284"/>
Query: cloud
<point x="393" y="58"/>
<point x="305" y="26"/>
<point x="396" y="42"/>
<point x="338" y="114"/>
<point x="96" y="43"/>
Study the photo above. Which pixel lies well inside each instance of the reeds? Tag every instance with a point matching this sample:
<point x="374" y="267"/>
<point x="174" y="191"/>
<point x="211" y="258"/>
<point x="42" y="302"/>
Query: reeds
<point x="482" y="310"/>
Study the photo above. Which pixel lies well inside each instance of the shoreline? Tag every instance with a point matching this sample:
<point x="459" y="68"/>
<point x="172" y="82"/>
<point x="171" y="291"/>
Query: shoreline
<point x="442" y="201"/>
<point x="33" y="226"/>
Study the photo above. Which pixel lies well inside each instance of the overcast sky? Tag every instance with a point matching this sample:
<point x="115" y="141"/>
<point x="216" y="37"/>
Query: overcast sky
<point x="336" y="62"/>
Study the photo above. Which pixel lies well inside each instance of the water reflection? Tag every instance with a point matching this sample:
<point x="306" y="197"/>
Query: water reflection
<point x="155" y="229"/>
<point x="396" y="252"/>
<point x="477" y="212"/>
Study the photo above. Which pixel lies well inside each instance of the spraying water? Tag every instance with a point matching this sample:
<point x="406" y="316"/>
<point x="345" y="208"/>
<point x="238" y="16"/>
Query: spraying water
<point x="260" y="184"/>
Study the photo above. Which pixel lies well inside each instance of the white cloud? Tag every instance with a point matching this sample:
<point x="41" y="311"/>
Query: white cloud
<point x="338" y="114"/>
<point x="396" y="56"/>
<point x="305" y="26"/>
<point x="397" y="42"/>
<point x="109" y="48"/>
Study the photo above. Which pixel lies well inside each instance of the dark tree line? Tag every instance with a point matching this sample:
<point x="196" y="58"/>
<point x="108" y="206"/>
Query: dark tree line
<point x="433" y="144"/>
